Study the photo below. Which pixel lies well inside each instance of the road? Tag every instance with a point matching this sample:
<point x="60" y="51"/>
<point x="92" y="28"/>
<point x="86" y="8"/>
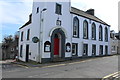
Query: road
<point x="91" y="68"/>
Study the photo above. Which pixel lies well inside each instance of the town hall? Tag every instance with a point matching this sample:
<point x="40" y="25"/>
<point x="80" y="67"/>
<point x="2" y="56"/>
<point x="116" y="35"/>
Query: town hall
<point x="57" y="31"/>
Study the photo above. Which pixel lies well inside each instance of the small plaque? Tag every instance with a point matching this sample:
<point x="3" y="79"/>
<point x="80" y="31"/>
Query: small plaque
<point x="35" y="39"/>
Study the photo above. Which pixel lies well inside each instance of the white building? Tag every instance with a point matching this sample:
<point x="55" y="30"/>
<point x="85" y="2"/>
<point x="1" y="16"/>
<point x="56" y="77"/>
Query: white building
<point x="64" y="32"/>
<point x="114" y="42"/>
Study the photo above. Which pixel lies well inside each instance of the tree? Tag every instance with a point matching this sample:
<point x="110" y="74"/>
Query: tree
<point x="10" y="46"/>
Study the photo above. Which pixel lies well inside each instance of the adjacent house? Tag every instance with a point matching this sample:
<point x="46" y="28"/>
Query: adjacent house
<point x="10" y="48"/>
<point x="114" y="42"/>
<point x="56" y="30"/>
<point x="118" y="38"/>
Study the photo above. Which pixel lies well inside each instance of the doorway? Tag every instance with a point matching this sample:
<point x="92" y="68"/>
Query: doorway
<point x="27" y="53"/>
<point x="57" y="44"/>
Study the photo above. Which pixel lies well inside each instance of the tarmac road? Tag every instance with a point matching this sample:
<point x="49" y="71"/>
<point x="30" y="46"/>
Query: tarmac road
<point x="91" y="68"/>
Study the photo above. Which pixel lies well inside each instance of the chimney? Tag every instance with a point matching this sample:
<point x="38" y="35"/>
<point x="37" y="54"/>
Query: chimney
<point x="90" y="11"/>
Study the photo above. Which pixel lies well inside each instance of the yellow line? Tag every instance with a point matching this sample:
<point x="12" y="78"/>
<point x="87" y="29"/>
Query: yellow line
<point x="110" y="75"/>
<point x="23" y="66"/>
<point x="53" y="65"/>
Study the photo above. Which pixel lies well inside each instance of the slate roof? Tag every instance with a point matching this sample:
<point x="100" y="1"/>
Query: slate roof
<point x="86" y="15"/>
<point x="27" y="23"/>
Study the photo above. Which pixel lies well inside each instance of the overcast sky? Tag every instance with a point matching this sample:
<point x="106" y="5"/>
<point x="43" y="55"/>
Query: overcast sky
<point x="14" y="13"/>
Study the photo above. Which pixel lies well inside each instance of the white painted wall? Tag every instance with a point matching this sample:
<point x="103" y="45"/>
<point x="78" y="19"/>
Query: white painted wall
<point x="49" y="22"/>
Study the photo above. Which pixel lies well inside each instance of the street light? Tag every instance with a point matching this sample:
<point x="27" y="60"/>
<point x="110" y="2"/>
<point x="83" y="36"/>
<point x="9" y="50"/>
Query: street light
<point x="40" y="38"/>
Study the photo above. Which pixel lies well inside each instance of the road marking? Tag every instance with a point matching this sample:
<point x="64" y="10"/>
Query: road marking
<point x="33" y="76"/>
<point x="23" y="66"/>
<point x="64" y="64"/>
<point x="116" y="74"/>
<point x="14" y="71"/>
<point x="53" y="65"/>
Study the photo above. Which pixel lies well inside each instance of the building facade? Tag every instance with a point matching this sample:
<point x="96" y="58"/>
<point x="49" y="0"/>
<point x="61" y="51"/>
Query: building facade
<point x="114" y="43"/>
<point x="56" y="30"/>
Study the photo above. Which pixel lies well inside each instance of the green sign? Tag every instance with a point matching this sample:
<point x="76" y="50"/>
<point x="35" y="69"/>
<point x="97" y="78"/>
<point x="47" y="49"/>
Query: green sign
<point x="35" y="39"/>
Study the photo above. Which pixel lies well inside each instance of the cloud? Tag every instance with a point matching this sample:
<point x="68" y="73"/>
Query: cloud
<point x="15" y="12"/>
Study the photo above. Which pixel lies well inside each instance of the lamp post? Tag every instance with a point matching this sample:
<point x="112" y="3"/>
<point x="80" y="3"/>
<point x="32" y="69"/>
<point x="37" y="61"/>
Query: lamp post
<point x="40" y="38"/>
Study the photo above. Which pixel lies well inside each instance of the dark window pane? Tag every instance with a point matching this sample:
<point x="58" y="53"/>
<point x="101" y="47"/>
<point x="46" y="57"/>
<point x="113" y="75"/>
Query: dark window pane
<point x="58" y="9"/>
<point x="28" y="34"/>
<point x="21" y="36"/>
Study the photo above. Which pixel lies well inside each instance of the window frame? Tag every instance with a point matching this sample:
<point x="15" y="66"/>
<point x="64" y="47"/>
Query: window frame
<point x="37" y="11"/>
<point x="85" y="48"/>
<point x="85" y="30"/>
<point x="57" y="10"/>
<point x="100" y="33"/>
<point x="93" y="31"/>
<point x="21" y="50"/>
<point x="28" y="34"/>
<point x="106" y="50"/>
<point x="76" y="21"/>
<point x="22" y="33"/>
<point x="106" y="34"/>
<point x="93" y="50"/>
<point x="76" y="49"/>
<point x="101" y="50"/>
<point x="47" y="44"/>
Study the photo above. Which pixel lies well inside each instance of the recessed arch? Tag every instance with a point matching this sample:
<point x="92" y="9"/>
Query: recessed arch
<point x="58" y="39"/>
<point x="58" y="27"/>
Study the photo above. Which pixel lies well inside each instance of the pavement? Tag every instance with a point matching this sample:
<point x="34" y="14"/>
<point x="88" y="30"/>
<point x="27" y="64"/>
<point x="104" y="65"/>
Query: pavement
<point x="33" y="64"/>
<point x="7" y="61"/>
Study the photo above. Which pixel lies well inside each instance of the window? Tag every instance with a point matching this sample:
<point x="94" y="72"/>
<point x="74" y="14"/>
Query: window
<point x="58" y="9"/>
<point x="74" y="49"/>
<point x="75" y="27"/>
<point x="101" y="50"/>
<point x="93" y="49"/>
<point x="37" y="10"/>
<point x="85" y="49"/>
<point x="100" y="33"/>
<point x="28" y="34"/>
<point x="47" y="46"/>
<point x="21" y="48"/>
<point x="106" y="50"/>
<point x="93" y="31"/>
<point x="106" y="34"/>
<point x="21" y="36"/>
<point x="85" y="29"/>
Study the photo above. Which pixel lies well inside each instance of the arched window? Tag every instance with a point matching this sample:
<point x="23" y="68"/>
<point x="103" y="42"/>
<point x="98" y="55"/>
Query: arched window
<point x="47" y="46"/>
<point x="106" y="34"/>
<point x="85" y="29"/>
<point x="75" y="27"/>
<point x="100" y="33"/>
<point x="93" y="31"/>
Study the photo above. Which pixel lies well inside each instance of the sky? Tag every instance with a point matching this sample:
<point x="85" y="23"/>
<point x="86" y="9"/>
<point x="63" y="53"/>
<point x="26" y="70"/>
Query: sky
<point x="15" y="13"/>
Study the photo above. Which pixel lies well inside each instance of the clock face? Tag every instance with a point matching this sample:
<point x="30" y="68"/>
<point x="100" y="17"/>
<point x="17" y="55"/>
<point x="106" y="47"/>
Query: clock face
<point x="35" y="39"/>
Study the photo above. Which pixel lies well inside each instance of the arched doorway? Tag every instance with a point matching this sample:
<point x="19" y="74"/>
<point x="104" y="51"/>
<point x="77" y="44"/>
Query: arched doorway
<point x="58" y="44"/>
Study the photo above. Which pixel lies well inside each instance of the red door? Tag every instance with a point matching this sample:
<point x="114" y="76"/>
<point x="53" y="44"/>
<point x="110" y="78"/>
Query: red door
<point x="56" y="46"/>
